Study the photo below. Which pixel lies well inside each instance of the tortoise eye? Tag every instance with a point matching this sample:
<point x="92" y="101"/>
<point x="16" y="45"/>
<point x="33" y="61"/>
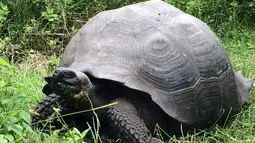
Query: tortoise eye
<point x="70" y="75"/>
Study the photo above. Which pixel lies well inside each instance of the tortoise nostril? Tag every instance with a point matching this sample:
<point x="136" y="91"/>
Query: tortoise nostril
<point x="58" y="74"/>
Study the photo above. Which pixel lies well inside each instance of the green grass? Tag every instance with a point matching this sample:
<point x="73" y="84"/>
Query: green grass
<point x="21" y="89"/>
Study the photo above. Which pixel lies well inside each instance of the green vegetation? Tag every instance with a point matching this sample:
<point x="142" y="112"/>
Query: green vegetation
<point x="33" y="33"/>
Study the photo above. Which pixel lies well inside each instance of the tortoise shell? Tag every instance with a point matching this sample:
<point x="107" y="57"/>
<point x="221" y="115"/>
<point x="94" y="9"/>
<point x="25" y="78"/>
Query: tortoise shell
<point x="156" y="48"/>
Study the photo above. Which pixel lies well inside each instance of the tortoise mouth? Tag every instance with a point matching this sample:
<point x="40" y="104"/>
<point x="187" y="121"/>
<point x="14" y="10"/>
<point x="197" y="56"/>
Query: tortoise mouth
<point x="66" y="88"/>
<point x="68" y="83"/>
<point x="72" y="92"/>
<point x="65" y="82"/>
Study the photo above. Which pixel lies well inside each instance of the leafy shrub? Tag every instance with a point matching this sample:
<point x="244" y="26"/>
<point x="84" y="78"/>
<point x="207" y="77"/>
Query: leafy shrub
<point x="47" y="26"/>
<point x="222" y="16"/>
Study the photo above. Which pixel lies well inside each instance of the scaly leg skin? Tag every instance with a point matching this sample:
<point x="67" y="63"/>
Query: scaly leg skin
<point x="126" y="123"/>
<point x="45" y="109"/>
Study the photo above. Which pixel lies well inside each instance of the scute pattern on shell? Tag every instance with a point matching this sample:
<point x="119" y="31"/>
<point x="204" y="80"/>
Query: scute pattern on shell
<point x="156" y="48"/>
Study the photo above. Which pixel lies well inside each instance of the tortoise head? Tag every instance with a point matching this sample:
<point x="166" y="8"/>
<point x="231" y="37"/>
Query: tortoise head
<point x="71" y="84"/>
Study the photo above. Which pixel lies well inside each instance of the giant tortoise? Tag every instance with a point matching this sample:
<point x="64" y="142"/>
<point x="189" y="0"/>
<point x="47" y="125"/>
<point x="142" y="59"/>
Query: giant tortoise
<point x="162" y="67"/>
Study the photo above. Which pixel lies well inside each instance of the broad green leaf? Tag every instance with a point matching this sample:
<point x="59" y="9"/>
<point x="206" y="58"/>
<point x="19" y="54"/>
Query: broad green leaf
<point x="27" y="127"/>
<point x="2" y="139"/>
<point x="12" y="119"/>
<point x="251" y="4"/>
<point x="3" y="83"/>
<point x="9" y="137"/>
<point x="84" y="133"/>
<point x="25" y="116"/>
<point x="17" y="129"/>
<point x="4" y="63"/>
<point x="6" y="100"/>
<point x="29" y="29"/>
<point x="68" y="140"/>
<point x="3" y="131"/>
<point x="76" y="131"/>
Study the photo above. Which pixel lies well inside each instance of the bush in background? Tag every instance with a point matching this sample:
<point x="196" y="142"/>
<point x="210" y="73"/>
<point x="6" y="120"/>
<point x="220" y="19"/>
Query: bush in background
<point x="46" y="26"/>
<point x="221" y="15"/>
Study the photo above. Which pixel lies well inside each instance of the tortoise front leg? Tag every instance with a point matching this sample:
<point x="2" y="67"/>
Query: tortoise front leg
<point x="45" y="109"/>
<point x="124" y="119"/>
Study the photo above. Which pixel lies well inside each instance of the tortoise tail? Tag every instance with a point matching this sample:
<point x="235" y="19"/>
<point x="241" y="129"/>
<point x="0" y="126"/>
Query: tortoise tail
<point x="244" y="86"/>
